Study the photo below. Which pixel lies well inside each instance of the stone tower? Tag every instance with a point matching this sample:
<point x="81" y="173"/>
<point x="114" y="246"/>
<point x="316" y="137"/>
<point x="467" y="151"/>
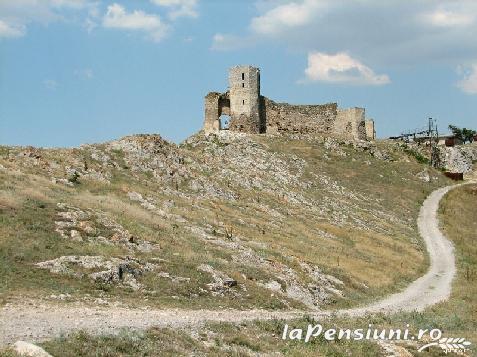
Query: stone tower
<point x="244" y="93"/>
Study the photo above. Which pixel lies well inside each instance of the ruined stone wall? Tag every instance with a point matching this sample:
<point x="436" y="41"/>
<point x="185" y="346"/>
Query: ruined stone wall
<point x="303" y="119"/>
<point x="244" y="124"/>
<point x="370" y="131"/>
<point x="350" y="124"/>
<point x="215" y="105"/>
<point x="252" y="113"/>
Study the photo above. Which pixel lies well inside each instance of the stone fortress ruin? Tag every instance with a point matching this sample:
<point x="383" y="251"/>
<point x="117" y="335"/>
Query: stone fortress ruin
<point x="250" y="112"/>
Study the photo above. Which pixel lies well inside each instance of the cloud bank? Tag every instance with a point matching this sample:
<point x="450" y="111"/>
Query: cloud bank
<point x="382" y="34"/>
<point x="16" y="15"/>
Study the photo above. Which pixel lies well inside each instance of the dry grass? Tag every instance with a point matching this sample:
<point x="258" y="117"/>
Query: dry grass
<point x="370" y="257"/>
<point x="351" y="254"/>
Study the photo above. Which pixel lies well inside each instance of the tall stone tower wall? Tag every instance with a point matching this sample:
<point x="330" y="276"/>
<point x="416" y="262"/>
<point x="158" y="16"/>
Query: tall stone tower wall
<point x="244" y="92"/>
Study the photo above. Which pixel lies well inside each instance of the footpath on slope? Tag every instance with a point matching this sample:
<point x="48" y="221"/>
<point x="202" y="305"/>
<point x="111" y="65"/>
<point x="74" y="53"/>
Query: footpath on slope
<point x="34" y="322"/>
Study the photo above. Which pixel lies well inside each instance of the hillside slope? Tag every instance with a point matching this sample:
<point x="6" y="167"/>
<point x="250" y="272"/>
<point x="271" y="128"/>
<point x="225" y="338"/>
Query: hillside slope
<point x="232" y="220"/>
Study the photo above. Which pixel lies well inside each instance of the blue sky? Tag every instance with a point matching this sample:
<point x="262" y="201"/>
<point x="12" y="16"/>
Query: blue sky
<point x="84" y="71"/>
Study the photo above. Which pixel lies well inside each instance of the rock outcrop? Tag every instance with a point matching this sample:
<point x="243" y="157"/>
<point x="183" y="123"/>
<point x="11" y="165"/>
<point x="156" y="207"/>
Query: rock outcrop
<point x="28" y="349"/>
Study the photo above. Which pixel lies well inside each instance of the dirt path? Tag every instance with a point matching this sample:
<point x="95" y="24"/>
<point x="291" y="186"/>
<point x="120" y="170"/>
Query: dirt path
<point x="39" y="322"/>
<point x="435" y="285"/>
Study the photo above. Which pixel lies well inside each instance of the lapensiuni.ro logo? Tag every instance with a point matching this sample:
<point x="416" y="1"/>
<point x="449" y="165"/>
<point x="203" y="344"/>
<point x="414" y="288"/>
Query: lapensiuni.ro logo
<point x="428" y="337"/>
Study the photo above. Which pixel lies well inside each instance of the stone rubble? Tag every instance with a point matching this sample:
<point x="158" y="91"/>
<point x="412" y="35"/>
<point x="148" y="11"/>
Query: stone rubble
<point x="323" y="289"/>
<point x="124" y="271"/>
<point x="221" y="283"/>
<point x="458" y="158"/>
<point x="88" y="225"/>
<point x="424" y="175"/>
<point x="28" y="349"/>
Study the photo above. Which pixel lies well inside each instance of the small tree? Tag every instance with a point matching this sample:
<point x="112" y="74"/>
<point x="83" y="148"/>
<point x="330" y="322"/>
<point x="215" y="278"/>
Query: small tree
<point x="468" y="135"/>
<point x="456" y="131"/>
<point x="464" y="134"/>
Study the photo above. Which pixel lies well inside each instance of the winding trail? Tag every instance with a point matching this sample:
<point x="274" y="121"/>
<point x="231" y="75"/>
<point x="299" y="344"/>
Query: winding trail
<point x="435" y="285"/>
<point x="34" y="322"/>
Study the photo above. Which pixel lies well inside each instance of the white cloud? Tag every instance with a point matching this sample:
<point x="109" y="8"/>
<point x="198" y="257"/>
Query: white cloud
<point x="468" y="84"/>
<point x="10" y="31"/>
<point x="50" y="84"/>
<point x="341" y="68"/>
<point x="16" y="15"/>
<point x="444" y="18"/>
<point x="286" y="16"/>
<point x="179" y="8"/>
<point x="460" y="13"/>
<point x="118" y="18"/>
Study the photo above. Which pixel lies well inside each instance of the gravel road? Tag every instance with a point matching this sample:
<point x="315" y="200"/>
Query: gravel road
<point x="435" y="285"/>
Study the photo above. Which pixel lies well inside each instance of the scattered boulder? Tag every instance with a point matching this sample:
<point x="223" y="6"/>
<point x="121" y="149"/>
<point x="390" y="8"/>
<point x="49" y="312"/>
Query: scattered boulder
<point x="230" y="282"/>
<point x="174" y="279"/>
<point x="62" y="181"/>
<point x="147" y="203"/>
<point x="124" y="271"/>
<point x="86" y="224"/>
<point x="221" y="283"/>
<point x="29" y="349"/>
<point x="273" y="285"/>
<point x="424" y="175"/>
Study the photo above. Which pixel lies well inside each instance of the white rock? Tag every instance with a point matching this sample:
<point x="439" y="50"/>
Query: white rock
<point x="423" y="175"/>
<point x="273" y="285"/>
<point x="75" y="235"/>
<point x="134" y="196"/>
<point x="28" y="349"/>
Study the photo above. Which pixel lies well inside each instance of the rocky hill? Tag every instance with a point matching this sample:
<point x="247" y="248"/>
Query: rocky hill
<point x="460" y="158"/>
<point x="228" y="220"/>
